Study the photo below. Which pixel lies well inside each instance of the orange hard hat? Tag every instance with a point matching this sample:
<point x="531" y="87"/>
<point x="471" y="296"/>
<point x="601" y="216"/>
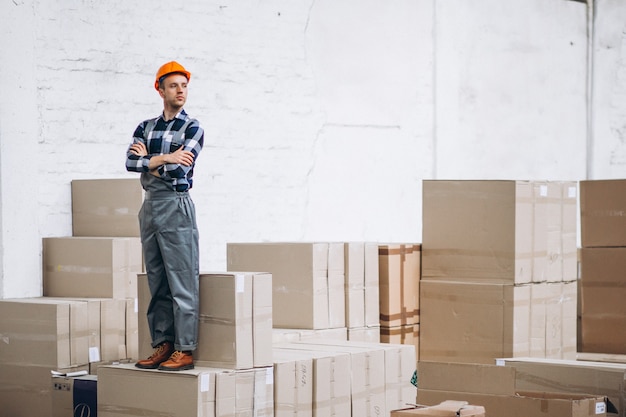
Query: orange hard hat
<point x="170" y="68"/>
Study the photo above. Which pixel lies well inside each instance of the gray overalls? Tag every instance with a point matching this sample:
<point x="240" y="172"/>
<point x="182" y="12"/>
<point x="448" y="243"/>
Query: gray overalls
<point x="169" y="235"/>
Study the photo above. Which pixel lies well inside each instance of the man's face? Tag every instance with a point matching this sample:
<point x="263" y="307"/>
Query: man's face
<point x="174" y="90"/>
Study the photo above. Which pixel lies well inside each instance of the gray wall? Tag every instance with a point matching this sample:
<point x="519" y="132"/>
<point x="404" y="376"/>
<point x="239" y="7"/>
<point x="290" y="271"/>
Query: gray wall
<point x="322" y="117"/>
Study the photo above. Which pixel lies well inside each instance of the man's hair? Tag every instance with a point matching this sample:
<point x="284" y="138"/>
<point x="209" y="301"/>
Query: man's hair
<point x="162" y="79"/>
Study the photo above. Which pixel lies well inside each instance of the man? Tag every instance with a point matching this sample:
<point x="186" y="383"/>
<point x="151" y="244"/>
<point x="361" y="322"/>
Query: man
<point x="164" y="151"/>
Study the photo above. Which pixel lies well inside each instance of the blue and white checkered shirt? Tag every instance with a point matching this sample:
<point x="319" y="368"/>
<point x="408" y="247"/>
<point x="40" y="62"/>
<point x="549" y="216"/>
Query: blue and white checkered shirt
<point x="161" y="137"/>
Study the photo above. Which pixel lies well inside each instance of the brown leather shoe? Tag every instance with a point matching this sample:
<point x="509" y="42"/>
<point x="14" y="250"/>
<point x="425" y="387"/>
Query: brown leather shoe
<point x="179" y="361"/>
<point x="161" y="353"/>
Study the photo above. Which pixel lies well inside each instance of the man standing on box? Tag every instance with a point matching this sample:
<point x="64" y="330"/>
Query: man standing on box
<point x="164" y="151"/>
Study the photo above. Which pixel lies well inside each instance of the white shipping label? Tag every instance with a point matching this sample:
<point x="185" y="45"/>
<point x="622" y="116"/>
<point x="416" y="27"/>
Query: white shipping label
<point x="204" y="382"/>
<point x="600" y="407"/>
<point x="94" y="354"/>
<point x="239" y="283"/>
<point x="543" y="190"/>
<point x="571" y="192"/>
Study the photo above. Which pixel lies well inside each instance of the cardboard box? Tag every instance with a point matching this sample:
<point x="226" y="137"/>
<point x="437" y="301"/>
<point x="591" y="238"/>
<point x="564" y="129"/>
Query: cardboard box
<point x="254" y="392"/>
<point x="372" y="285"/>
<point x="447" y="408"/>
<point x="42" y="331"/>
<point x="558" y="261"/>
<point x="235" y="325"/>
<point x="399" y="275"/>
<point x="308" y="280"/>
<point x="603" y="213"/>
<point x="25" y="390"/>
<point x="471" y="322"/>
<point x="225" y="329"/>
<point x="602" y="300"/>
<point x="406" y="335"/>
<point x="107" y="327"/>
<point x="132" y="329"/>
<point x="106" y="207"/>
<point x="125" y="391"/>
<point x="572" y="376"/>
<point x="569" y="238"/>
<point x="361" y="287"/>
<point x="494" y="387"/>
<point x="294" y="335"/>
<point x="264" y="391"/>
<point x="99" y="267"/>
<point x="355" y="284"/>
<point x="553" y="332"/>
<point x="330" y="379"/>
<point x="365" y="334"/>
<point x="400" y="365"/>
<point x="480" y="230"/>
<point x="74" y="396"/>
<point x="293" y="382"/>
<point x="367" y="386"/>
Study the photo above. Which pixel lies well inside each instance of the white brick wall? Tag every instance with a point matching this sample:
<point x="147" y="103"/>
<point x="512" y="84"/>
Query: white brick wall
<point x="321" y="116"/>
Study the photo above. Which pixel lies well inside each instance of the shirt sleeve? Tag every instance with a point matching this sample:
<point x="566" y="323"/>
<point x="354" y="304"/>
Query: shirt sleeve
<point x="194" y="141"/>
<point x="135" y="163"/>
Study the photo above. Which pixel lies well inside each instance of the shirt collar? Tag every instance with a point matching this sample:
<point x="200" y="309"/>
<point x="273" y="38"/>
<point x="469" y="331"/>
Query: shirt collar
<point x="182" y="114"/>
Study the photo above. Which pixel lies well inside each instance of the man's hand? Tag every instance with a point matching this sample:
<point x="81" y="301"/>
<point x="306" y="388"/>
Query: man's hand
<point x="180" y="156"/>
<point x="139" y="149"/>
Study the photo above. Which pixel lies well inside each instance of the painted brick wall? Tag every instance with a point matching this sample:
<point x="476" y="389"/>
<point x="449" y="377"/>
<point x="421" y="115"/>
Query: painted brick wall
<point x="321" y="117"/>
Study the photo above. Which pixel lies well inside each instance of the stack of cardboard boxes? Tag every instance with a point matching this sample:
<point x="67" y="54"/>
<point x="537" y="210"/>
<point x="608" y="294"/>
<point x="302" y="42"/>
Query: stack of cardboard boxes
<point x="234" y="366"/>
<point x="603" y="262"/>
<point x="498" y="270"/>
<point x="86" y="316"/>
<point x="498" y="302"/>
<point x="399" y="275"/>
<point x="318" y="289"/>
<point x="92" y="321"/>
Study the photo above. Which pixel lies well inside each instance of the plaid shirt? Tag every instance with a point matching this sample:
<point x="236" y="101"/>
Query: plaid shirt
<point x="160" y="138"/>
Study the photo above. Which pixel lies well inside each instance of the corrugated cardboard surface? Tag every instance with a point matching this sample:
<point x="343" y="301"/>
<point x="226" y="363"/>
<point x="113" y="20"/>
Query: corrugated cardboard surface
<point x="308" y="281"/>
<point x="99" y="267"/>
<point x="399" y="281"/>
<point x="365" y="334"/>
<point x="473" y="322"/>
<point x="499" y="231"/>
<point x="42" y="331"/>
<point x="603" y="213"/>
<point x="331" y="379"/>
<point x="225" y="328"/>
<point x="108" y="330"/>
<point x="400" y="364"/>
<point x="106" y="207"/>
<point x="494" y="387"/>
<point x="603" y="291"/>
<point x="293" y="383"/>
<point x="571" y="376"/>
<point x="26" y="389"/>
<point x="125" y="391"/>
<point x="447" y="408"/>
<point x="372" y="308"/>
<point x="367" y="387"/>
<point x="355" y="284"/>
<point x="478" y="230"/>
<point x="408" y="334"/>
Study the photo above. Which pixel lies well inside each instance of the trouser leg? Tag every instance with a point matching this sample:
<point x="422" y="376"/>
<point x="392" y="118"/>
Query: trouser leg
<point x="160" y="314"/>
<point x="178" y="243"/>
